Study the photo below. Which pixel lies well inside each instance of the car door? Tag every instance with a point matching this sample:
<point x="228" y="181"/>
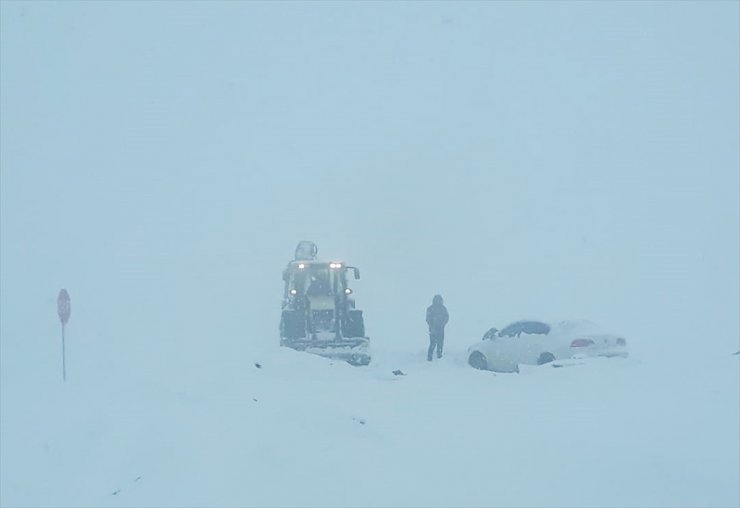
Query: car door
<point x="501" y="353"/>
<point x="529" y="348"/>
<point x="533" y="341"/>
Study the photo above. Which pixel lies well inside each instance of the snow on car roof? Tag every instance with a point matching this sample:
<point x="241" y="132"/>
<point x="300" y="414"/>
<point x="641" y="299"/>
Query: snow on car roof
<point x="579" y="324"/>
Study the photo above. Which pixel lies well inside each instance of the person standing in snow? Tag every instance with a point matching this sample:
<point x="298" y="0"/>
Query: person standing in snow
<point x="437" y="318"/>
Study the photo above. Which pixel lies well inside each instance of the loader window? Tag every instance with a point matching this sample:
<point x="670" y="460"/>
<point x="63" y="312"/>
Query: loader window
<point x="319" y="283"/>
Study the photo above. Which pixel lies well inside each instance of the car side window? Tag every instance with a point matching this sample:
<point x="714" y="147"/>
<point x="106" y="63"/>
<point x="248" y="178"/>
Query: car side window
<point x="528" y="327"/>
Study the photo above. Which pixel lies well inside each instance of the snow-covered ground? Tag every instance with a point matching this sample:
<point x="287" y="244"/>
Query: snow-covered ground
<point x="265" y="426"/>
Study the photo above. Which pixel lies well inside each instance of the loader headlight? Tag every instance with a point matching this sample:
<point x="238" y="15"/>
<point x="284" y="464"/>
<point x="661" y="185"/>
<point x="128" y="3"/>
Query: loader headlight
<point x="335" y="265"/>
<point x="301" y="266"/>
<point x="293" y="292"/>
<point x="347" y="291"/>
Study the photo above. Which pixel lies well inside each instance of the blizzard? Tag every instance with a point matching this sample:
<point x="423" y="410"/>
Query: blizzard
<point x="524" y="160"/>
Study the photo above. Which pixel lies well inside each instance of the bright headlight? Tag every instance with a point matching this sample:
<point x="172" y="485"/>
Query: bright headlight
<point x="335" y="265"/>
<point x="301" y="266"/>
<point x="293" y="292"/>
<point x="347" y="291"/>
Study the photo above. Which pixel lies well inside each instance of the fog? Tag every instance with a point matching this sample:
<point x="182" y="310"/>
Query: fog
<point x="541" y="160"/>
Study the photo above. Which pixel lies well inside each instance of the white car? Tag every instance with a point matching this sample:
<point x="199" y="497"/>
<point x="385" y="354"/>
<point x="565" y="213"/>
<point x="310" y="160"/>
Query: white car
<point x="537" y="343"/>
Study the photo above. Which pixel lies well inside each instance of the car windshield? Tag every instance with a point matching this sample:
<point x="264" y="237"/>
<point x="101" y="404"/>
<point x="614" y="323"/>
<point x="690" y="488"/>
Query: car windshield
<point x="491" y="334"/>
<point x="529" y="327"/>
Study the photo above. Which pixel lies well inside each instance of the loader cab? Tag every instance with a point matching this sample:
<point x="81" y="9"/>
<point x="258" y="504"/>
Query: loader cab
<point x="318" y="312"/>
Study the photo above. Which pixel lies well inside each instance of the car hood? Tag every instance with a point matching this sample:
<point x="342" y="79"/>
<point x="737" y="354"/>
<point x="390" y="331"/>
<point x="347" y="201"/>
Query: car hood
<point x="478" y="346"/>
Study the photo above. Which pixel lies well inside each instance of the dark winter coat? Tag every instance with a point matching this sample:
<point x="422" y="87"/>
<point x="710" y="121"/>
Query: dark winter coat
<point x="437" y="316"/>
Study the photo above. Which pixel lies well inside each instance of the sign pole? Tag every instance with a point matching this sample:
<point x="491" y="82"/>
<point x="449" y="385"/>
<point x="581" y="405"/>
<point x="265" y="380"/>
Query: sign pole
<point x="64" y="361"/>
<point x="63" y="309"/>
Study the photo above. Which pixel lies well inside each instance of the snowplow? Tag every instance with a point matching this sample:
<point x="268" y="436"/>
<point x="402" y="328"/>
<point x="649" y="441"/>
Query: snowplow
<point x="318" y="311"/>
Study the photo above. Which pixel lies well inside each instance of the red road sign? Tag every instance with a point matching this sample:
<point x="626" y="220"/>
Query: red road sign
<point x="63" y="306"/>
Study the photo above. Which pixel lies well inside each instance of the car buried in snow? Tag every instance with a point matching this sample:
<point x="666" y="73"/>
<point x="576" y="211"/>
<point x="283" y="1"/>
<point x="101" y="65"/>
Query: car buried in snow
<point x="539" y="343"/>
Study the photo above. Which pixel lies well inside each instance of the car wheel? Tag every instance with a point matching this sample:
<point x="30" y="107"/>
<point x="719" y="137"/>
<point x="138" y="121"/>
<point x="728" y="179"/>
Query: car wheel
<point x="478" y="361"/>
<point x="545" y="358"/>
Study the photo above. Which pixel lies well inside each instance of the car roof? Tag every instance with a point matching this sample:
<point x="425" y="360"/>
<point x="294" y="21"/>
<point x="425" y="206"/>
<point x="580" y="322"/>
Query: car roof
<point x="314" y="262"/>
<point x="565" y="326"/>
